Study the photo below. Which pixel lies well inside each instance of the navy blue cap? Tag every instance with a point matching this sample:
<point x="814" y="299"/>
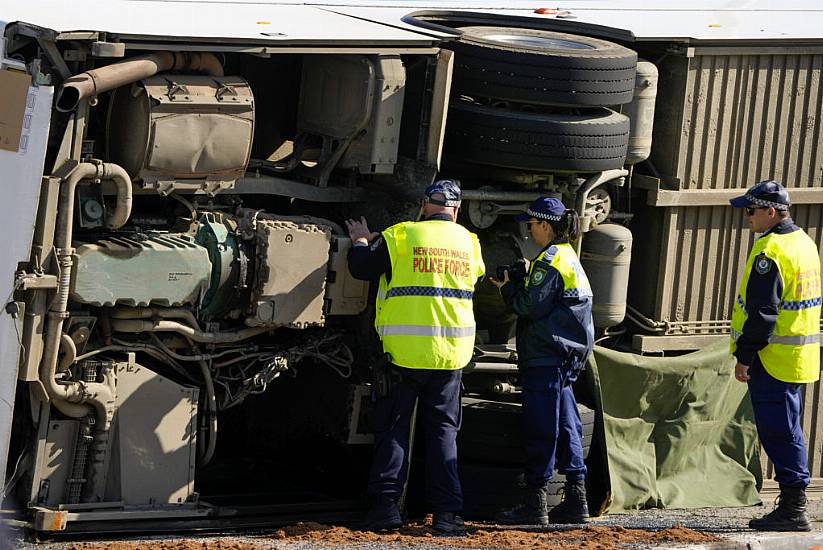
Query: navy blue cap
<point x="544" y="208"/>
<point x="450" y="189"/>
<point x="766" y="193"/>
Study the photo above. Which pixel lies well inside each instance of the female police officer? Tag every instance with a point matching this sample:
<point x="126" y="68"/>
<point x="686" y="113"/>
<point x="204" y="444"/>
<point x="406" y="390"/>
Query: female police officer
<point x="554" y="339"/>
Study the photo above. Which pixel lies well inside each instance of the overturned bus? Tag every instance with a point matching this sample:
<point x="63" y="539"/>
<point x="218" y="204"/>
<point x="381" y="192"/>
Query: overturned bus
<point x="182" y="344"/>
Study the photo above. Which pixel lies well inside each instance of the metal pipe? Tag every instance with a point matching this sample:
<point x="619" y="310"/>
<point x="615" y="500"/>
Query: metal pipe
<point x="72" y="410"/>
<point x="501" y="368"/>
<point x="96" y="81"/>
<point x="492" y="195"/>
<point x="151" y="312"/>
<point x="203" y="62"/>
<point x="224" y="337"/>
<point x="211" y="405"/>
<point x="123" y="201"/>
<point x="646" y="320"/>
<point x="75" y="392"/>
<point x="583" y="194"/>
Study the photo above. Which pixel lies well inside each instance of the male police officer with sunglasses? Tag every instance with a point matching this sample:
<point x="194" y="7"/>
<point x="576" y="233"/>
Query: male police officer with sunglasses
<point x="776" y="340"/>
<point x="424" y="316"/>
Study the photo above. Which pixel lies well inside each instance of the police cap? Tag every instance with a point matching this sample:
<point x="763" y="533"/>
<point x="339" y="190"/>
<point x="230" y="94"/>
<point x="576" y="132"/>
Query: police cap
<point x="767" y="193"/>
<point x="449" y="189"/>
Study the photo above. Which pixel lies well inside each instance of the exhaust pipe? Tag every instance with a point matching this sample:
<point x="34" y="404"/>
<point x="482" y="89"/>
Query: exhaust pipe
<point x="96" y="81"/>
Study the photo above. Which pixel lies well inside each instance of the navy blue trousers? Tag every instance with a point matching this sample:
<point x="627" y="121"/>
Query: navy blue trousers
<point x="440" y="415"/>
<point x="551" y="425"/>
<point x="777" y="410"/>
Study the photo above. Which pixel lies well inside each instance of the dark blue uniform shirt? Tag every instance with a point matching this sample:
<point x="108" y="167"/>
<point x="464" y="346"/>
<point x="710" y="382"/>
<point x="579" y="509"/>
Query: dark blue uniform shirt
<point x="763" y="295"/>
<point x="552" y="330"/>
<point x="369" y="262"/>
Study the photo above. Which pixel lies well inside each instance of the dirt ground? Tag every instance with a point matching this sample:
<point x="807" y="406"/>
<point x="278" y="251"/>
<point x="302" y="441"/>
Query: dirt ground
<point x="420" y="534"/>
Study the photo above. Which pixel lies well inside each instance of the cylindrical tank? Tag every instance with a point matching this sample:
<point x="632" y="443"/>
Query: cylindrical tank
<point x="606" y="255"/>
<point x="641" y="113"/>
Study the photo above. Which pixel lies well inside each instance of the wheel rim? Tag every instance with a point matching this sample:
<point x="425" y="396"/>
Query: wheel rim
<point x="537" y="42"/>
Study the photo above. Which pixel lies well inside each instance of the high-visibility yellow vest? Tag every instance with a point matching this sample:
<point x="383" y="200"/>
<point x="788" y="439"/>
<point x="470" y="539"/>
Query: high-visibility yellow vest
<point x="793" y="352"/>
<point x="563" y="258"/>
<point x="424" y="314"/>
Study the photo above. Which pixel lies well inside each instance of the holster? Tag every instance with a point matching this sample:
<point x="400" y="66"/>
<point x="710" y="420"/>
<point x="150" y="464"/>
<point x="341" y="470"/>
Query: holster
<point x="384" y="377"/>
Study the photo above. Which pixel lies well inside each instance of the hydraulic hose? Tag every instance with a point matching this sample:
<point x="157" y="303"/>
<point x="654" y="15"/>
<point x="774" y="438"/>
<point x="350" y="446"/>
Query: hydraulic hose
<point x="224" y="337"/>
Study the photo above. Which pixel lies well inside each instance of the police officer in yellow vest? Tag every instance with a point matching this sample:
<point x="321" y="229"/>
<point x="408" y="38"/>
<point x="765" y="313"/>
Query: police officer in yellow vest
<point x="425" y="320"/>
<point x="775" y="336"/>
<point x="555" y="335"/>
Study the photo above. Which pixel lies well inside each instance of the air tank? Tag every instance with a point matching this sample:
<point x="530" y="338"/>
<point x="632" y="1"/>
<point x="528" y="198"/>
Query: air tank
<point x="606" y="255"/>
<point x="641" y="113"/>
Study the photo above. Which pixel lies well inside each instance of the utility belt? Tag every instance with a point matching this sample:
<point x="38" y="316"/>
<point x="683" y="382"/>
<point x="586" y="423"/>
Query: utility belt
<point x="384" y="376"/>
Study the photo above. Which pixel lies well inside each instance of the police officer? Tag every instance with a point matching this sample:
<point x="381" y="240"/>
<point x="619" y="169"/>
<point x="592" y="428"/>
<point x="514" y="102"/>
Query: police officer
<point x="424" y="317"/>
<point x="555" y="335"/>
<point x="776" y="339"/>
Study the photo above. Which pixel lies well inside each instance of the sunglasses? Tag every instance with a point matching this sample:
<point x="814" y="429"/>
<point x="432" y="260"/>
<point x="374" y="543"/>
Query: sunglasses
<point x="751" y="209"/>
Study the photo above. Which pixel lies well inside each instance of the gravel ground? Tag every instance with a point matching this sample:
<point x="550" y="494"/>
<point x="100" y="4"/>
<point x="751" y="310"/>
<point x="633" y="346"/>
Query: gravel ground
<point x="643" y="529"/>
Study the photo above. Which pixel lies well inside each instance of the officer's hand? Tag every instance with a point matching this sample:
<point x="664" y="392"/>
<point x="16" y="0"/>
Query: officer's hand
<point x="498" y="283"/>
<point x="741" y="372"/>
<point x="359" y="231"/>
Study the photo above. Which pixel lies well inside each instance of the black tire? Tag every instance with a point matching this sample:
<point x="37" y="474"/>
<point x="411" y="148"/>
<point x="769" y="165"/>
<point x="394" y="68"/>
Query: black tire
<point x="592" y="141"/>
<point x="492" y="432"/>
<point x="542" y="67"/>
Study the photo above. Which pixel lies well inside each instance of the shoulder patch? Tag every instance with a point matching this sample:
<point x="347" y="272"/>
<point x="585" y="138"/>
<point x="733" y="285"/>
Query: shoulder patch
<point x="762" y="264"/>
<point x="375" y="244"/>
<point x="538" y="276"/>
<point x="549" y="254"/>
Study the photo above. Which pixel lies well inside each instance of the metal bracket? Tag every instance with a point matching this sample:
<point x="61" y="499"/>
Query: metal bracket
<point x="174" y="88"/>
<point x="50" y="48"/>
<point x="224" y="90"/>
<point x="50" y="520"/>
<point x="205" y="186"/>
<point x="35" y="281"/>
<point x="108" y="49"/>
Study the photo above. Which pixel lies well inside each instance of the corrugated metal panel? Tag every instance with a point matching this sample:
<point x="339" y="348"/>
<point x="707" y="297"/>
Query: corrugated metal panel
<point x="703" y="256"/>
<point x="739" y="117"/>
<point x="752" y="117"/>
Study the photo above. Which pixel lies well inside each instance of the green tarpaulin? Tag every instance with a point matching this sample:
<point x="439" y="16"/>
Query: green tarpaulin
<point x="679" y="431"/>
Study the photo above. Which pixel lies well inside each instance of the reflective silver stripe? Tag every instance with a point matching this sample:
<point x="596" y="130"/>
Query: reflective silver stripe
<point x="785" y="340"/>
<point x="422" y="330"/>
<point x="795" y="340"/>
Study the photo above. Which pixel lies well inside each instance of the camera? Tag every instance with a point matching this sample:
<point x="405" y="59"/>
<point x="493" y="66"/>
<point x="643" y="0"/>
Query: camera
<point x="516" y="269"/>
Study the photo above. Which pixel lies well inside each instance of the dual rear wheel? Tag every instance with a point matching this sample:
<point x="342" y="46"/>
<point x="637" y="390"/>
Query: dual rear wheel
<point x="538" y="100"/>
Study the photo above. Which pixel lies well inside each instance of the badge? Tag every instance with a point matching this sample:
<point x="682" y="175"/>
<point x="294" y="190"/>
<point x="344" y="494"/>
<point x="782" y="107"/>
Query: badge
<point x="538" y="276"/>
<point x="762" y="264"/>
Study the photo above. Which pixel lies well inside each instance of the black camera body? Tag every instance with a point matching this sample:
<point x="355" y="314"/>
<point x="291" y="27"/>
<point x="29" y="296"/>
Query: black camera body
<point x="516" y="269"/>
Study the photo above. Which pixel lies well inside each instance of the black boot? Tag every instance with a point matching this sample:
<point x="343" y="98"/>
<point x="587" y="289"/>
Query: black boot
<point x="573" y="507"/>
<point x="448" y="523"/>
<point x="533" y="511"/>
<point x="384" y="515"/>
<point x="790" y="514"/>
